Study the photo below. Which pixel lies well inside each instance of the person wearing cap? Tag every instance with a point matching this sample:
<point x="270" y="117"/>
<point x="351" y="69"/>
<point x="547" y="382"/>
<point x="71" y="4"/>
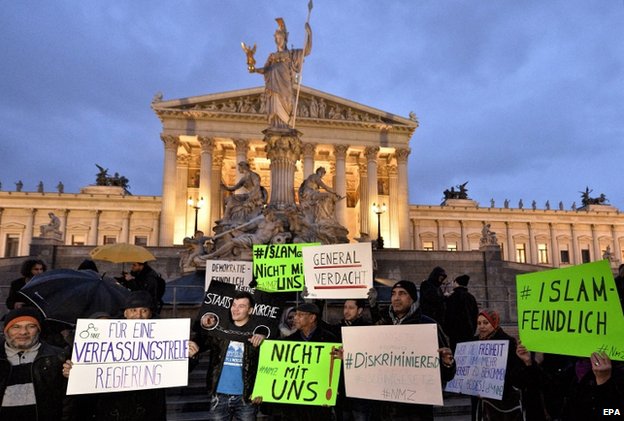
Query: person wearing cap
<point x="404" y="310"/>
<point x="32" y="385"/>
<point x="460" y="320"/>
<point x="309" y="329"/>
<point x="432" y="296"/>
<point x="233" y="364"/>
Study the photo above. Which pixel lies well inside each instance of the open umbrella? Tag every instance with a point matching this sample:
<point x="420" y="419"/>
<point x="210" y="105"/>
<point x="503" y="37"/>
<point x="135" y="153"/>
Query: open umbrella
<point x="121" y="253"/>
<point x="64" y="295"/>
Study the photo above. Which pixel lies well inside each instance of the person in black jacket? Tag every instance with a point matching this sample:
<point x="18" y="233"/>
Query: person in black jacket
<point x="309" y="329"/>
<point x="232" y="365"/>
<point x="32" y="385"/>
<point x="351" y="408"/>
<point x="432" y="296"/>
<point x="460" y="320"/>
<point x="29" y="269"/>
<point x="404" y="310"/>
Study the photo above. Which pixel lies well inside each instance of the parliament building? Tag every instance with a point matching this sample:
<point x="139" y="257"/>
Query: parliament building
<point x="365" y="152"/>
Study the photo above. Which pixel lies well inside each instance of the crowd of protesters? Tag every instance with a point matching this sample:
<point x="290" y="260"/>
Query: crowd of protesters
<point x="33" y="373"/>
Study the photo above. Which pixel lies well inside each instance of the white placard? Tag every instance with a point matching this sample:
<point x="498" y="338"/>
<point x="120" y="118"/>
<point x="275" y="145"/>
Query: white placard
<point x="338" y="270"/>
<point x="481" y="367"/>
<point x="123" y="355"/>
<point x="231" y="272"/>
<point x="393" y="363"/>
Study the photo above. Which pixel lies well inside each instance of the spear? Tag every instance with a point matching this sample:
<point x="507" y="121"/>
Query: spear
<point x="310" y="5"/>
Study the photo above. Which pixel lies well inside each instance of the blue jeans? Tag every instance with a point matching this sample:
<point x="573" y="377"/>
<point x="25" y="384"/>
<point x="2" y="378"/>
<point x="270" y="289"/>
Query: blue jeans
<point x="231" y="407"/>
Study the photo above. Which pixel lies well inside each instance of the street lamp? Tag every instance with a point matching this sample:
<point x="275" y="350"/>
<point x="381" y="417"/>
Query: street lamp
<point x="197" y="206"/>
<point x="379" y="210"/>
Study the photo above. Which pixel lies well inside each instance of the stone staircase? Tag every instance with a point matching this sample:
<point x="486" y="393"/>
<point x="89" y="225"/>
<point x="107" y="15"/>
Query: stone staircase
<point x="190" y="403"/>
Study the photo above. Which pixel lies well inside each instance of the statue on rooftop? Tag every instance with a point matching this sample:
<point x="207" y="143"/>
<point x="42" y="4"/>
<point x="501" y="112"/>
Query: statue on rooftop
<point x="588" y="200"/>
<point x="280" y="72"/>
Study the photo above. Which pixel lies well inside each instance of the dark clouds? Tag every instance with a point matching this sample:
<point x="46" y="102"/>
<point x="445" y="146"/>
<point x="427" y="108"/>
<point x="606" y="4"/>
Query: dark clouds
<point x="521" y="99"/>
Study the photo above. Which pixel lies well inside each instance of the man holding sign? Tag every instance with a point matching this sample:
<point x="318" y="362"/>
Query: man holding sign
<point x="403" y="311"/>
<point x="233" y="365"/>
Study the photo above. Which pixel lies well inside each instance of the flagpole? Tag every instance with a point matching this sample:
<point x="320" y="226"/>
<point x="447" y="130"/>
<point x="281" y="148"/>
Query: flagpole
<point x="310" y="5"/>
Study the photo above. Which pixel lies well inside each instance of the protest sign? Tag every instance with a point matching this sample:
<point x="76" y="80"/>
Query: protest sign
<point x="393" y="363"/>
<point x="297" y="372"/>
<point x="571" y="311"/>
<point x="238" y="273"/>
<point x="278" y="267"/>
<point x="123" y="355"/>
<point x="481" y="367"/>
<point x="338" y="270"/>
<point x="214" y="314"/>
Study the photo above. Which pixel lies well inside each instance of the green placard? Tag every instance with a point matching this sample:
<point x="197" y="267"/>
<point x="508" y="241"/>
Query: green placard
<point x="571" y="311"/>
<point x="279" y="267"/>
<point x="297" y="372"/>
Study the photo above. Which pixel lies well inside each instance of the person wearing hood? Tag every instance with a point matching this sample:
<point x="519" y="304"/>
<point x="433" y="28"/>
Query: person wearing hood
<point x="404" y="310"/>
<point x="432" y="298"/>
<point x="460" y="320"/>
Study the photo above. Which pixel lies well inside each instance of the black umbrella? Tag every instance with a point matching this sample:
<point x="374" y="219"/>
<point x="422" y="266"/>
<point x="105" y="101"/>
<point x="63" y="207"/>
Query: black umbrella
<point x="64" y="295"/>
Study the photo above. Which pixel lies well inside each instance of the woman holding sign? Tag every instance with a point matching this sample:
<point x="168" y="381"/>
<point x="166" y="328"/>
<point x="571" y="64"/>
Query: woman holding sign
<point x="510" y="407"/>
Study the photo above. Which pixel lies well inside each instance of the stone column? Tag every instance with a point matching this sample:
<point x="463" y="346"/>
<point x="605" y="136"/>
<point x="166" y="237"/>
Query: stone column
<point x="617" y="249"/>
<point x="153" y="239"/>
<point x="371" y="168"/>
<point x="417" y="243"/>
<point x="309" y="150"/>
<point x="394" y="208"/>
<point x="511" y="246"/>
<point x="364" y="202"/>
<point x="64" y="218"/>
<point x="340" y="187"/>
<point x="462" y="233"/>
<point x="531" y="245"/>
<point x="28" y="232"/>
<point x="125" y="227"/>
<point x="205" y="186"/>
<point x="181" y="225"/>
<point x="439" y="235"/>
<point x="283" y="148"/>
<point x="93" y="230"/>
<point x="576" y="258"/>
<point x="217" y="197"/>
<point x="401" y="155"/>
<point x="596" y="244"/>
<point x="3" y="251"/>
<point x="167" y="218"/>
<point x="554" y="247"/>
<point x="242" y="148"/>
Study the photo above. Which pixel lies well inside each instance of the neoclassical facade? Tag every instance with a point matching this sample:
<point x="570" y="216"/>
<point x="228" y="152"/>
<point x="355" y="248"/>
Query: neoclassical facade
<point x="365" y="152"/>
<point x="363" y="149"/>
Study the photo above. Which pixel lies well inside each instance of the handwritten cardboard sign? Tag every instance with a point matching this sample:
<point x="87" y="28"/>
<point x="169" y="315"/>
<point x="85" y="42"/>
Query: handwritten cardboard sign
<point x="481" y="367"/>
<point x="297" y="372"/>
<point x="279" y="267"/>
<point x="571" y="311"/>
<point x="123" y="355"/>
<point x="214" y="314"/>
<point x="238" y="273"/>
<point x="338" y="270"/>
<point x="393" y="363"/>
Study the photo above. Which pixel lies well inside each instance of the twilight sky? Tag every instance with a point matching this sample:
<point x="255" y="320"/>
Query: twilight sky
<point x="522" y="99"/>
